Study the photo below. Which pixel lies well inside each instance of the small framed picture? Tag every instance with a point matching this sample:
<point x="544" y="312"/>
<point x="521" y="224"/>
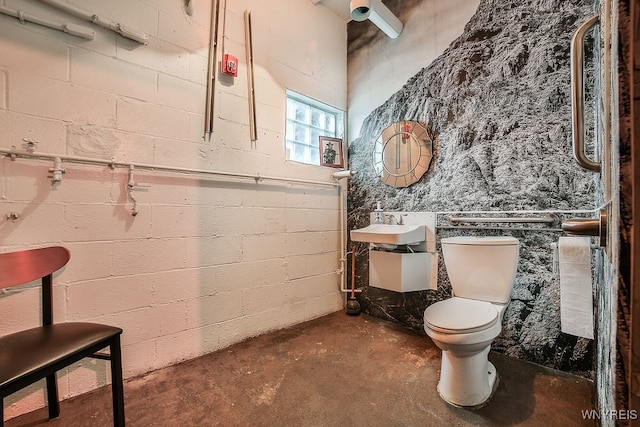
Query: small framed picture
<point x="331" y="152"/>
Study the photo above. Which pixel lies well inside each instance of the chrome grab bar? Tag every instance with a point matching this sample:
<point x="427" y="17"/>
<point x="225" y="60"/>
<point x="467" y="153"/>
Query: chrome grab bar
<point x="547" y="219"/>
<point x="596" y="227"/>
<point x="577" y="94"/>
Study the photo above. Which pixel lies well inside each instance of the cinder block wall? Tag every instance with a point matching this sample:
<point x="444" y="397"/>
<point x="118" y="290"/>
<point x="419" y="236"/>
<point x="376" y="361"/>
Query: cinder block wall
<point x="207" y="262"/>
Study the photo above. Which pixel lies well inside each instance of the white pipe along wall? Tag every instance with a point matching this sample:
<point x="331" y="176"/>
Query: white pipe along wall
<point x="207" y="262"/>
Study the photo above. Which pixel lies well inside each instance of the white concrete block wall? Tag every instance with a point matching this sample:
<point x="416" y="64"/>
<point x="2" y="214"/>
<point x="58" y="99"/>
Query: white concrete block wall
<point x="207" y="262"/>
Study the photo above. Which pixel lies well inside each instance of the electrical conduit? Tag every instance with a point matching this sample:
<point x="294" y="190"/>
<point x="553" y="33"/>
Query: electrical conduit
<point x="100" y="21"/>
<point x="72" y="29"/>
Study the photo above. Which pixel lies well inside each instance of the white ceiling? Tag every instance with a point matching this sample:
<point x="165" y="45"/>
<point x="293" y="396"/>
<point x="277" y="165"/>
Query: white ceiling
<point x="339" y="7"/>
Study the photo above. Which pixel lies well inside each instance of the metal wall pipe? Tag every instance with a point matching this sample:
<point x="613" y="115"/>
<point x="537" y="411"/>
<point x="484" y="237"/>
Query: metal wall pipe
<point x="212" y="69"/>
<point x="253" y="126"/>
<point x="100" y="21"/>
<point x="72" y="29"/>
<point x="14" y="154"/>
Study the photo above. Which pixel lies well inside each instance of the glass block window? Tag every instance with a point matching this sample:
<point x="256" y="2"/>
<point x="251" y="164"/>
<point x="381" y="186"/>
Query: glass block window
<point x="308" y="120"/>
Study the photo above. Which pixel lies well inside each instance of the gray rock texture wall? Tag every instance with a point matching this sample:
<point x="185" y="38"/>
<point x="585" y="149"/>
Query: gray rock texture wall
<point x="498" y="104"/>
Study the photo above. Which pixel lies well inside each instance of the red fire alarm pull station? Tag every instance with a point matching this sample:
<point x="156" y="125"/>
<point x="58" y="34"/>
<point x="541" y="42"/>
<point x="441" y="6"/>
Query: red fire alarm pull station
<point x="407" y="129"/>
<point x="230" y="65"/>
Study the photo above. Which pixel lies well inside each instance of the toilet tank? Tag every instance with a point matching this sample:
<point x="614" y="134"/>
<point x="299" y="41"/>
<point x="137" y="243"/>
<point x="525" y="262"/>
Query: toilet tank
<point x="481" y="268"/>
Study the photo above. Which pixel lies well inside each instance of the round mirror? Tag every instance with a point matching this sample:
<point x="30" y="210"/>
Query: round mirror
<point x="402" y="153"/>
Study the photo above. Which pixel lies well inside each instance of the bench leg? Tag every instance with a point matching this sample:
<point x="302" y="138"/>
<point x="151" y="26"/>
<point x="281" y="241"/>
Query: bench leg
<point x="52" y="396"/>
<point x="117" y="388"/>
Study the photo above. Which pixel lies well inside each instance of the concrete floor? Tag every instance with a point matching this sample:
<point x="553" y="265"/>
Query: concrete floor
<point x="337" y="370"/>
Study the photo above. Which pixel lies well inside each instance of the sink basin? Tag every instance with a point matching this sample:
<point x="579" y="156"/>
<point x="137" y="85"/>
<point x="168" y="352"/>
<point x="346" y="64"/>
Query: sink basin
<point x="390" y="234"/>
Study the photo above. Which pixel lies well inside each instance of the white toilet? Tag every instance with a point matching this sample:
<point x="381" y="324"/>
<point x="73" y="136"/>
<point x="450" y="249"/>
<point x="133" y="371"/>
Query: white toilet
<point x="481" y="271"/>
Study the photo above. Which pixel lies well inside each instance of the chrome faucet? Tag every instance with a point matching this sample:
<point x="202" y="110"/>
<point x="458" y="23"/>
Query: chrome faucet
<point x="393" y="220"/>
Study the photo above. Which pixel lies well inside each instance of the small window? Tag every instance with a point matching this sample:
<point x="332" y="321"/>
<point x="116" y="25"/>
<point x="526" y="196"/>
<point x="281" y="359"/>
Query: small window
<point x="307" y="121"/>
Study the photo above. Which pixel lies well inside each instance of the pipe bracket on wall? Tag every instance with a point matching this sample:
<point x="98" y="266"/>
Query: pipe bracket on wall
<point x="577" y="95"/>
<point x="56" y="171"/>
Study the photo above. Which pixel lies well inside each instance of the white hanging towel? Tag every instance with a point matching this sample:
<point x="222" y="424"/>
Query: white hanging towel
<point x="576" y="300"/>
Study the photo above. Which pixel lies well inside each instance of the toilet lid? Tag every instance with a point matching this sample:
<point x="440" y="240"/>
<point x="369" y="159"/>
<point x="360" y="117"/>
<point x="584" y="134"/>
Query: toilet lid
<point x="460" y="315"/>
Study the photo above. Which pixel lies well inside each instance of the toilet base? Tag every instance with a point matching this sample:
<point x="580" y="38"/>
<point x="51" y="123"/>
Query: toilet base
<point x="467" y="379"/>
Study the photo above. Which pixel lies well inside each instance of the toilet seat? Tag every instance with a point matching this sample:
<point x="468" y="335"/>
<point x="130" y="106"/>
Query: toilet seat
<point x="460" y="316"/>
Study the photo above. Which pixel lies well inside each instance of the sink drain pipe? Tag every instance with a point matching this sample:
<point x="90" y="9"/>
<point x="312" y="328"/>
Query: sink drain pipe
<point x="338" y="176"/>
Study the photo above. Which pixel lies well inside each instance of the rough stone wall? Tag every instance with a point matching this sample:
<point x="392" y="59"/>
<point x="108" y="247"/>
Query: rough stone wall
<point x="498" y="103"/>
